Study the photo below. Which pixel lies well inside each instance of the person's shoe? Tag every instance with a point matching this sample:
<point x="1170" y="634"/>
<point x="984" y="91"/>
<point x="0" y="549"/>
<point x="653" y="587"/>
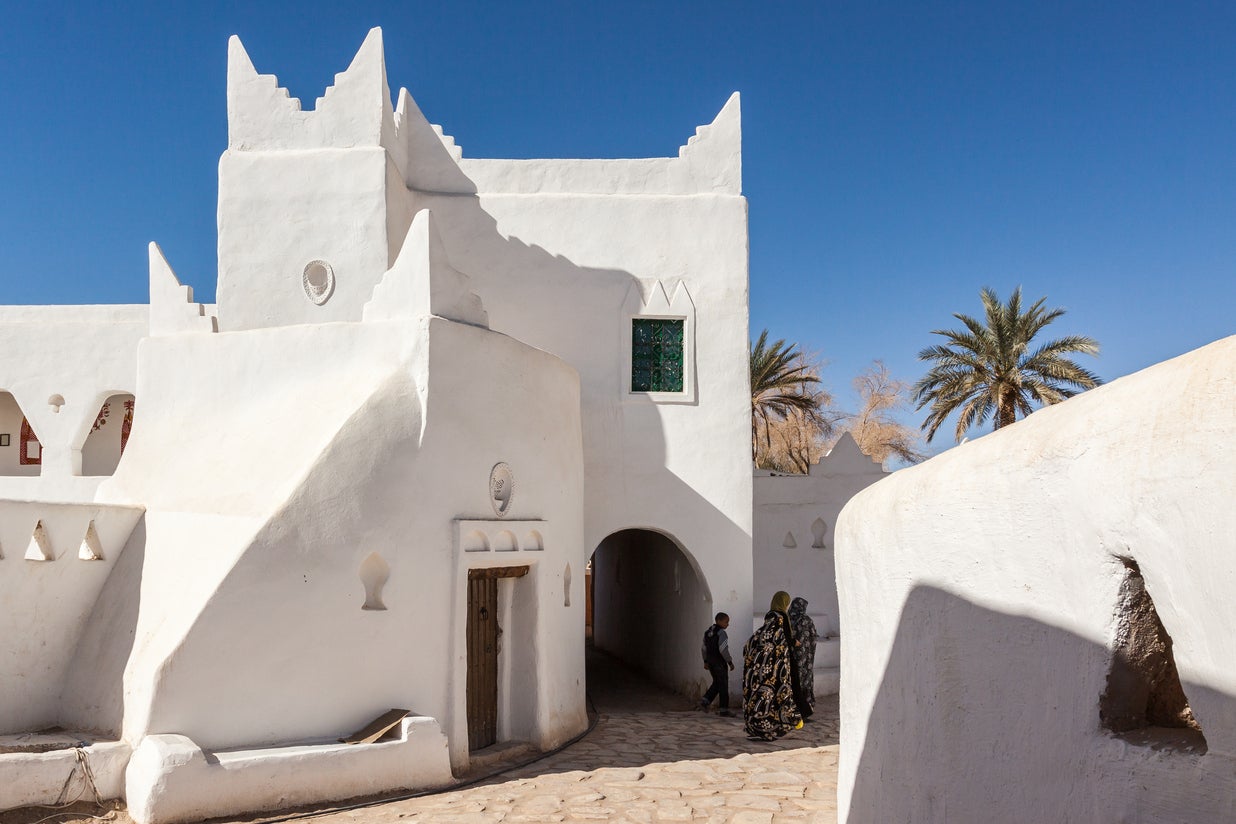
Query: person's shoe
<point x="799" y="725"/>
<point x="702" y="707"/>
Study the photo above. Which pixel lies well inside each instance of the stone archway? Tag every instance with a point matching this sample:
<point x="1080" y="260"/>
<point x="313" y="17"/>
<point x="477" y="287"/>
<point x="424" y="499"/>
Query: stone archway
<point x="650" y="605"/>
<point x="20" y="450"/>
<point x="109" y="435"/>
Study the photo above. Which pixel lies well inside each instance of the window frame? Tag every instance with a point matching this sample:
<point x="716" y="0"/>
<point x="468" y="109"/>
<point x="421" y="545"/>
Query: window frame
<point x="683" y="358"/>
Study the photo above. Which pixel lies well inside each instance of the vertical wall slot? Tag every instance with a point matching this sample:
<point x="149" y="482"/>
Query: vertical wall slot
<point x="566" y="586"/>
<point x="374" y="573"/>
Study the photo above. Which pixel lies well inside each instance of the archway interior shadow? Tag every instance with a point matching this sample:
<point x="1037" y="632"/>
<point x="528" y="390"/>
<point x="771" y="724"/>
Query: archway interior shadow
<point x="647" y="608"/>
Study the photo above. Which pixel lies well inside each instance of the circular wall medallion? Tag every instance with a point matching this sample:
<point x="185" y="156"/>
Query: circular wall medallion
<point x="501" y="489"/>
<point x="319" y="281"/>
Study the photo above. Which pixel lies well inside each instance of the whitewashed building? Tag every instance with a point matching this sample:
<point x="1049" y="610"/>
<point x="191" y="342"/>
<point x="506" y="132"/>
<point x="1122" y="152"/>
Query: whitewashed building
<point x="372" y="474"/>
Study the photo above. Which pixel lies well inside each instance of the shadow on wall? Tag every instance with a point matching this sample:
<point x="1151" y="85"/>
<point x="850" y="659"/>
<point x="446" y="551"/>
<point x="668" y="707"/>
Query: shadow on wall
<point x="92" y="696"/>
<point x="983" y="716"/>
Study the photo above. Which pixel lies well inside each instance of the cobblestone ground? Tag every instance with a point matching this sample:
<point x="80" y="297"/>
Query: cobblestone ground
<point x="653" y="767"/>
<point x="648" y="759"/>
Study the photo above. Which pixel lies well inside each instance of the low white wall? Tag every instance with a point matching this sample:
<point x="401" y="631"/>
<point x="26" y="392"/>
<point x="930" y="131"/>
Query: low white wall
<point x="45" y="603"/>
<point x="29" y="779"/>
<point x="979" y="593"/>
<point x="170" y="779"/>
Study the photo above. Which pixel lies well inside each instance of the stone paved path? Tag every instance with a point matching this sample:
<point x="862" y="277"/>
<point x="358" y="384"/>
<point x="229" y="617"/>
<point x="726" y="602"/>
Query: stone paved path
<point x="647" y="760"/>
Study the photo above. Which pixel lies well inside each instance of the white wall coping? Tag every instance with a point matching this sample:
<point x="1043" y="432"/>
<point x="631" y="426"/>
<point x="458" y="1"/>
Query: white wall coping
<point x="68" y="313"/>
<point x="172" y="779"/>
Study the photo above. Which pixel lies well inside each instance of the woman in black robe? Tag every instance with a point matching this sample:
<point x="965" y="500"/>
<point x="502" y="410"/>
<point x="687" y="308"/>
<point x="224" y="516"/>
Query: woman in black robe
<point x="768" y="703"/>
<point x="805" y="635"/>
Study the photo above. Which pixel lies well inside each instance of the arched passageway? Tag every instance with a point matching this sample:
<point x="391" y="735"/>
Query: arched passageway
<point x="649" y="607"/>
<point x="20" y="450"/>
<point x="109" y="435"/>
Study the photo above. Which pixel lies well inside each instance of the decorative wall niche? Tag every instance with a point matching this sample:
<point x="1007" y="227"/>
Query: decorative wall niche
<point x="374" y="573"/>
<point x="318" y="281"/>
<point x="475" y="541"/>
<point x="789" y="542"/>
<point x="501" y="489"/>
<point x="566" y="586"/>
<point x="818" y="528"/>
<point x="40" y="548"/>
<point x="500" y="535"/>
<point x="91" y="548"/>
<point x="55" y="402"/>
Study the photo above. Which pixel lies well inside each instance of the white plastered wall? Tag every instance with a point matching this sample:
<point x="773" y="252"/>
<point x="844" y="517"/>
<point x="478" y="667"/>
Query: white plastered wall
<point x="251" y="584"/>
<point x="787" y="509"/>
<point x="978" y="602"/>
<point x="558" y="271"/>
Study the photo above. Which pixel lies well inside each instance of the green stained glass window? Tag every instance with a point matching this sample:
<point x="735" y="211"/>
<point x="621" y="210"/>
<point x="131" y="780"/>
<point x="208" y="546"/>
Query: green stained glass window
<point x="656" y="355"/>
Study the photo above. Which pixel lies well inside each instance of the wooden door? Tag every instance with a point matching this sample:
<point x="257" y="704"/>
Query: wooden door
<point x="483" y="632"/>
<point x="482" y="662"/>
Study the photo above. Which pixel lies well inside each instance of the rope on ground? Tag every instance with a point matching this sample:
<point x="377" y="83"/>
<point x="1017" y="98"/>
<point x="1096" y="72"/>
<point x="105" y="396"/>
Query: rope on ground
<point x="62" y="800"/>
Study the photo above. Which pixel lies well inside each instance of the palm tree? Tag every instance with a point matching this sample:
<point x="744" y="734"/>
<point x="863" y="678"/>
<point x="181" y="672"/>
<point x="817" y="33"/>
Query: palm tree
<point x="988" y="369"/>
<point x="782" y="382"/>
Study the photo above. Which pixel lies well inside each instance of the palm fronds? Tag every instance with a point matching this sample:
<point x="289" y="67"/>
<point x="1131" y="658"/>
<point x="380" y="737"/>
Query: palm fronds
<point x="987" y="370"/>
<point x="784" y="389"/>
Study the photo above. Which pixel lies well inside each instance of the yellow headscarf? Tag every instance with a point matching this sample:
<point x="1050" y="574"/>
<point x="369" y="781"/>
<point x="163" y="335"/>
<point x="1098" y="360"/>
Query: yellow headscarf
<point x="781" y="602"/>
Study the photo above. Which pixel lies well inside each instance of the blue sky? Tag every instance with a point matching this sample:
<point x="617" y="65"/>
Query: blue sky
<point x="897" y="156"/>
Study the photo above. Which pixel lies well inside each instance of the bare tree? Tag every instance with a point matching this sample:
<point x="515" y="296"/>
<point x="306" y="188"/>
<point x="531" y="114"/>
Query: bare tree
<point x="874" y="427"/>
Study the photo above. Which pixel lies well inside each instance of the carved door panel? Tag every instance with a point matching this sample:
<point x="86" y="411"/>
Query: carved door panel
<point x="482" y="634"/>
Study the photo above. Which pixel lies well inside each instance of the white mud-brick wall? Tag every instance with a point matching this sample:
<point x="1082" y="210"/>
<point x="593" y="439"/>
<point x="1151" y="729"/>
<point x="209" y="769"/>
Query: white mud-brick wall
<point x="987" y="597"/>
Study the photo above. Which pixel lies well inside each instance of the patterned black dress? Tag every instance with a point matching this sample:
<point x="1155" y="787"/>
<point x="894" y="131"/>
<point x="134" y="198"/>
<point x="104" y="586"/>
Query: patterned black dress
<point x="768" y="706"/>
<point x="804" y="651"/>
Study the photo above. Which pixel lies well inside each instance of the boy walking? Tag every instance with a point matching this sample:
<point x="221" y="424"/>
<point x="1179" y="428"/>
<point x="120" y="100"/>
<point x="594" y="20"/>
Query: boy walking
<point x="717" y="660"/>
